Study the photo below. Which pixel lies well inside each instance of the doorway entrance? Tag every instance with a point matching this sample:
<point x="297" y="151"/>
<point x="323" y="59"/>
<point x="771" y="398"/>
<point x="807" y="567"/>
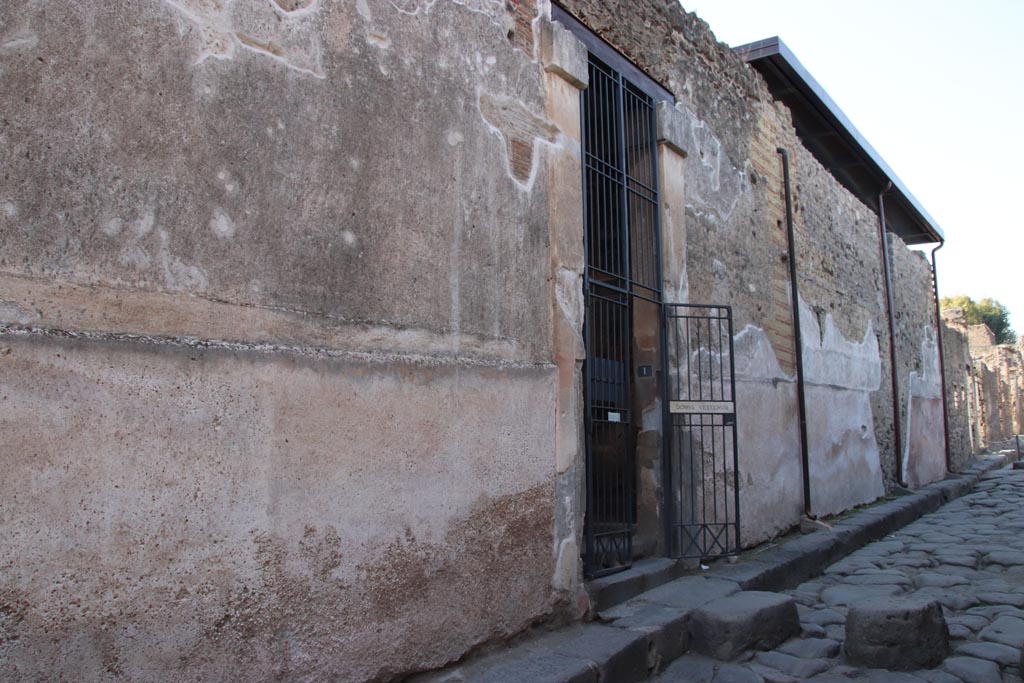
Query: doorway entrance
<point x="661" y="475"/>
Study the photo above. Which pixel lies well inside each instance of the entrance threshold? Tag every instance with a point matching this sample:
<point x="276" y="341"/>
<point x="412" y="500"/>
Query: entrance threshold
<point x="644" y="575"/>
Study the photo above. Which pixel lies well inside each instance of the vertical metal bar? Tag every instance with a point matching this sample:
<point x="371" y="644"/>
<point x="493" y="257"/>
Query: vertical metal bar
<point x="588" y="522"/>
<point x="797" y="334"/>
<point x="735" y="445"/>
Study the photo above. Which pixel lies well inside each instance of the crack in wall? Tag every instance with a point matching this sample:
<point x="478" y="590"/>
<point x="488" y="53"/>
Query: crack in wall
<point x="370" y="357"/>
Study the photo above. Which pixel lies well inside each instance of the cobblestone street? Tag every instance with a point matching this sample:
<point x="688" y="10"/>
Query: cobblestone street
<point x="969" y="556"/>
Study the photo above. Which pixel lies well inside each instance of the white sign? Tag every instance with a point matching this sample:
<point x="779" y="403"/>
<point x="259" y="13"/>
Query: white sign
<point x="614" y="417"/>
<point x="690" y="407"/>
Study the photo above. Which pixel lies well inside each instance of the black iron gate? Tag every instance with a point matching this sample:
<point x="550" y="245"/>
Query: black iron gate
<point x="702" y="471"/>
<point x="623" y="263"/>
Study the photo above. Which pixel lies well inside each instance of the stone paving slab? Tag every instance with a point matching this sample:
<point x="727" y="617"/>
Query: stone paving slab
<point x="644" y="619"/>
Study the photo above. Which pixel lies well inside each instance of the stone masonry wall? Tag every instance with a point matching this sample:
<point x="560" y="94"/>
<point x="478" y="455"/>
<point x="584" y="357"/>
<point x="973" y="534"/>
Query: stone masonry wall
<point x="736" y="254"/>
<point x="277" y="345"/>
<point x="923" y="449"/>
<point x="960" y="389"/>
<point x="1000" y="386"/>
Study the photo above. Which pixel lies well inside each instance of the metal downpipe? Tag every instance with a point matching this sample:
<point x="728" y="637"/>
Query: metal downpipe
<point x="883" y="238"/>
<point x="942" y="357"/>
<point x="797" y="335"/>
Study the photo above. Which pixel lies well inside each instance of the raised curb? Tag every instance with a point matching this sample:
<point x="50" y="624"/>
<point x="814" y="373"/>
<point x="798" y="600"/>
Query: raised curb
<point x="645" y="615"/>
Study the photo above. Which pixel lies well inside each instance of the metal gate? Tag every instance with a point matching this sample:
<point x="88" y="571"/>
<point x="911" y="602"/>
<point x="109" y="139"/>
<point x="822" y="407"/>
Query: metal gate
<point x="702" y="470"/>
<point x="623" y="263"/>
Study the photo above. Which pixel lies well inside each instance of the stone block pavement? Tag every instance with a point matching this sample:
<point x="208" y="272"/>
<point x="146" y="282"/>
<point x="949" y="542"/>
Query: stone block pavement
<point x="959" y="542"/>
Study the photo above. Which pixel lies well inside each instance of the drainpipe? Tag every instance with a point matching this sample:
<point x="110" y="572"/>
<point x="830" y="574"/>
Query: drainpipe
<point x="942" y="356"/>
<point x="797" y="335"/>
<point x="883" y="233"/>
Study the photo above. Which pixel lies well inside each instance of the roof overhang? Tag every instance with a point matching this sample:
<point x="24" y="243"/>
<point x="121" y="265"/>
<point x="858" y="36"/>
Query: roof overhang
<point x="836" y="143"/>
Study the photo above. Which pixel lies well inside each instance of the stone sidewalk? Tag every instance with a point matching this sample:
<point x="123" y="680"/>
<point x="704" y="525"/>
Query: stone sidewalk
<point x="968" y="554"/>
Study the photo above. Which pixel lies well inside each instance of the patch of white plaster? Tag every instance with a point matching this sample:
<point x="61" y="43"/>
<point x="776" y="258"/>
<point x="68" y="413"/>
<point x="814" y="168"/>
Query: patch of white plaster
<point x="112" y="227"/>
<point x="143" y="225"/>
<point x="569" y="296"/>
<point x="840" y="376"/>
<point x="266" y="28"/>
<point x="177" y="274"/>
<point x="11" y="312"/>
<point x="831" y="360"/>
<point x="227" y="180"/>
<point x="135" y="255"/>
<point x="566" y="566"/>
<point x="924" y="450"/>
<point x="348" y="237"/>
<point x="505" y="113"/>
<point x="378" y="40"/>
<point x="10" y="209"/>
<point x="714" y="185"/>
<point x="927" y="384"/>
<point x="755" y="358"/>
<point x="454" y="137"/>
<point x="222" y="225"/>
<point x="495" y="10"/>
<point x="22" y="39"/>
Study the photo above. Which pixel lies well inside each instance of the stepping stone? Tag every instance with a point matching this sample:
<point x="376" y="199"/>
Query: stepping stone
<point x="900" y="634"/>
<point x="973" y="670"/>
<point x="797" y="667"/>
<point x="700" y="669"/>
<point x="1003" y="655"/>
<point x="1005" y="558"/>
<point x="813" y="648"/>
<point x="1006" y="630"/>
<point x="838" y="596"/>
<point x="759" y="620"/>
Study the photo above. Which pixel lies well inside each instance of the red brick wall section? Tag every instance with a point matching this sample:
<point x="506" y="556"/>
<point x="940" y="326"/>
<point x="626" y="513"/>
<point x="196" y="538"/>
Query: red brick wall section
<point x="523" y="13"/>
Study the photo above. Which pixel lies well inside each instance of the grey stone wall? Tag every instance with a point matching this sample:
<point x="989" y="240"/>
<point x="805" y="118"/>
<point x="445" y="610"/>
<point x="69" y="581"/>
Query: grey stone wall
<point x="917" y="355"/>
<point x="276" y="338"/>
<point x="960" y="390"/>
<point x="736" y="254"/>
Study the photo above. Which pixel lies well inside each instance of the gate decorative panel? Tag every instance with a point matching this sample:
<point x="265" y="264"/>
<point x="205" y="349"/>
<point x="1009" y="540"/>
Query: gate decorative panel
<point x="703" y="472"/>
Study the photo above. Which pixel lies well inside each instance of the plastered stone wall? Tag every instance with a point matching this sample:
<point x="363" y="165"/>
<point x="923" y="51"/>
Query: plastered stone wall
<point x="924" y="448"/>
<point x="289" y="345"/>
<point x="735" y="253"/>
<point x="960" y="389"/>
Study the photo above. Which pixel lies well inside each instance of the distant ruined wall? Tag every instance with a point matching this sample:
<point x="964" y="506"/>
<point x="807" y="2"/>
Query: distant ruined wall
<point x="999" y="374"/>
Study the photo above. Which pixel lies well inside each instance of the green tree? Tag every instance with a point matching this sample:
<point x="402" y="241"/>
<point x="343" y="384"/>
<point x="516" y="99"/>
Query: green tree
<point x="987" y="311"/>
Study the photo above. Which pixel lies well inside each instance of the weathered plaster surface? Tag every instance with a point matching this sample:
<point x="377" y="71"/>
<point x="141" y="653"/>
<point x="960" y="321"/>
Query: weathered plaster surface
<point x="186" y="513"/>
<point x="924" y="456"/>
<point x="135" y="166"/>
<point x="840" y="376"/>
<point x="278" y="337"/>
<point x="770" y="473"/>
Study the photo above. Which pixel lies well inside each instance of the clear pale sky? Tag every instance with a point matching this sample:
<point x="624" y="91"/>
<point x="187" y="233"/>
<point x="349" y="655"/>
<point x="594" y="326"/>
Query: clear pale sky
<point x="937" y="88"/>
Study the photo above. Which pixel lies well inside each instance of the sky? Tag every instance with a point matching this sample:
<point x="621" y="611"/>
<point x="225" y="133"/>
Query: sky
<point x="937" y="88"/>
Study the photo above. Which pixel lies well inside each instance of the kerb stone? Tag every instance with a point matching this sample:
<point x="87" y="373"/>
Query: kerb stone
<point x="725" y="627"/>
<point x="901" y="634"/>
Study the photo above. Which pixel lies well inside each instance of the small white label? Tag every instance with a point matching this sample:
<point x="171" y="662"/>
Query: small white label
<point x="692" y="407"/>
<point x="614" y="417"/>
